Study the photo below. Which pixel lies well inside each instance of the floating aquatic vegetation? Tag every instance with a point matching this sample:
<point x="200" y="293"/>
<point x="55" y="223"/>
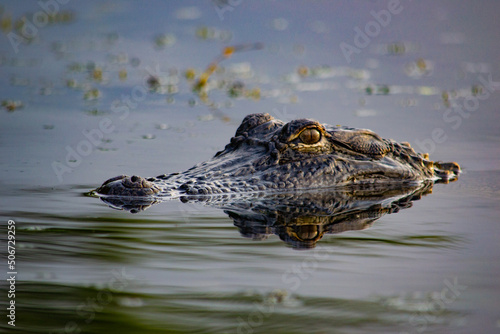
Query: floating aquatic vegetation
<point x="153" y="83"/>
<point x="122" y="74"/>
<point x="377" y="90"/>
<point x="241" y="70"/>
<point x="236" y="89"/>
<point x="165" y="84"/>
<point x="190" y="74"/>
<point x="427" y="90"/>
<point x="477" y="90"/>
<point x="76" y="67"/>
<point x="253" y="93"/>
<point x="95" y="112"/>
<point x="408" y="102"/>
<point x="211" y="33"/>
<point x="418" y="68"/>
<point x="71" y="83"/>
<point x="97" y="74"/>
<point x="121" y="58"/>
<point x="396" y="48"/>
<point x="92" y="94"/>
<point x="206" y="118"/>
<point x="171" y="89"/>
<point x="163" y="40"/>
<point x="12" y="105"/>
<point x="106" y="149"/>
<point x="303" y="71"/>
<point x="446" y="98"/>
<point x="162" y="126"/>
<point x="200" y="86"/>
<point x="23" y="26"/>
<point x="6" y="23"/>
<point x="326" y="71"/>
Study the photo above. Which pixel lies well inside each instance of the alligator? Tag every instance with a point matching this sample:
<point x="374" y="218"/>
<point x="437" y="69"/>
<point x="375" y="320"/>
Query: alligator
<point x="269" y="155"/>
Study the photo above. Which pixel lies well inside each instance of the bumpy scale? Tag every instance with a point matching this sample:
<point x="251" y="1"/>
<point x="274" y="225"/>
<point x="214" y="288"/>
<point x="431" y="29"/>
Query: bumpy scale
<point x="267" y="154"/>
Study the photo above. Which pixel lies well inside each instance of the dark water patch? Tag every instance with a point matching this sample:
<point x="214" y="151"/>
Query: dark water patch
<point x="97" y="308"/>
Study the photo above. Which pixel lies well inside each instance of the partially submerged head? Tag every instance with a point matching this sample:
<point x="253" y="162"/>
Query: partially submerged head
<point x="269" y="154"/>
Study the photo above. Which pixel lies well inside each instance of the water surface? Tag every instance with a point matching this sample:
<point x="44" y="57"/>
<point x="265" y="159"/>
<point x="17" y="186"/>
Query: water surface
<point x="83" y="84"/>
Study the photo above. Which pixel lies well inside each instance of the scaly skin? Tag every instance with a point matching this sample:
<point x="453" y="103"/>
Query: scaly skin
<point x="267" y="154"/>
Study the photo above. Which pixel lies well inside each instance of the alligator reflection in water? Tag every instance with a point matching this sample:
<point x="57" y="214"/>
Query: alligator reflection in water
<point x="300" y="218"/>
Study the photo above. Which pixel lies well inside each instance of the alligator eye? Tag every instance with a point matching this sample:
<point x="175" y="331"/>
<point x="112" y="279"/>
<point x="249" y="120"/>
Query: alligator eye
<point x="310" y="136"/>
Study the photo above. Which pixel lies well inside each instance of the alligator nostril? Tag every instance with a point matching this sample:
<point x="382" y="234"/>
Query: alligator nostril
<point x="134" y="178"/>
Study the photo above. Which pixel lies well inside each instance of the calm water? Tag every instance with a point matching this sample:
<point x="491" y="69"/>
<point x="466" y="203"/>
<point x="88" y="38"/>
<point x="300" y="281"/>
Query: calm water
<point x="79" y="105"/>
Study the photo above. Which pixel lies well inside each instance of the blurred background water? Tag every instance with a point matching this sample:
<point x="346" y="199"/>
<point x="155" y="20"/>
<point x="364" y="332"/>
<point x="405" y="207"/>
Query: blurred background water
<point x="90" y="90"/>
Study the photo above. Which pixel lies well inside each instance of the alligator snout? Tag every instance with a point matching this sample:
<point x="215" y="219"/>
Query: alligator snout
<point x="124" y="185"/>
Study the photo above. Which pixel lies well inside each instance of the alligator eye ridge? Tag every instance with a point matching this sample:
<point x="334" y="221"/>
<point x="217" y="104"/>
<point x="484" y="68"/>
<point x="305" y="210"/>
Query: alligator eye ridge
<point x="310" y="136"/>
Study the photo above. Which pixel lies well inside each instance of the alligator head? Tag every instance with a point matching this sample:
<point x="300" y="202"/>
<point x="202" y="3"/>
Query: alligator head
<point x="267" y="154"/>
